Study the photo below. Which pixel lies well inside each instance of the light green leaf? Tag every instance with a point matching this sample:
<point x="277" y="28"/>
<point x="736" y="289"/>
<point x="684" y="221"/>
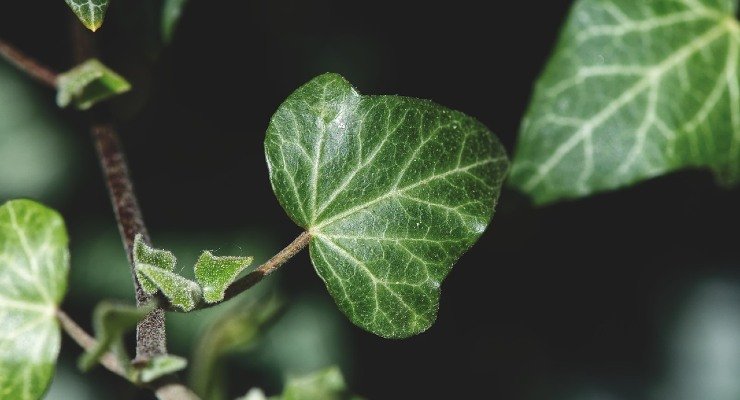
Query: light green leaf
<point x="110" y="322"/>
<point x="393" y="190"/>
<point x="171" y="12"/>
<point x="88" y="84"/>
<point x="34" y="264"/>
<point x="143" y="254"/>
<point x="215" y="274"/>
<point x="90" y="12"/>
<point x="327" y="384"/>
<point x="160" y="366"/>
<point x="635" y="89"/>
<point x="181" y="292"/>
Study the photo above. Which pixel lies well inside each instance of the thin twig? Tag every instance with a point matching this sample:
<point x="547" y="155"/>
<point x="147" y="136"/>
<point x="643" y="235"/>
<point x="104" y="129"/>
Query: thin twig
<point x="87" y="342"/>
<point x="28" y="65"/>
<point x="165" y="389"/>
<point x="267" y="268"/>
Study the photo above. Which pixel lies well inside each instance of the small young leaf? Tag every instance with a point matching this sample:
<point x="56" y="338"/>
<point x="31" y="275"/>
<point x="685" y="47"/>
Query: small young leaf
<point x="393" y="190"/>
<point x="171" y="12"/>
<point x="215" y="274"/>
<point x="327" y="384"/>
<point x="160" y="366"/>
<point x="634" y="90"/>
<point x="90" y="12"/>
<point x="143" y="254"/>
<point x="34" y="264"/>
<point x="181" y="292"/>
<point x="110" y="322"/>
<point x="89" y="83"/>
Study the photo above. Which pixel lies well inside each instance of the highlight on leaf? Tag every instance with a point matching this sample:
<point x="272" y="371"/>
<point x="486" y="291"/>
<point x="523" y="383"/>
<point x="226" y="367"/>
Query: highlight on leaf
<point x="392" y="190"/>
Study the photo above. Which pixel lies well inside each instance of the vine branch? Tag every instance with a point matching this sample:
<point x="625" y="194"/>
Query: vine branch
<point x="267" y="268"/>
<point x="33" y="68"/>
<point x="165" y="389"/>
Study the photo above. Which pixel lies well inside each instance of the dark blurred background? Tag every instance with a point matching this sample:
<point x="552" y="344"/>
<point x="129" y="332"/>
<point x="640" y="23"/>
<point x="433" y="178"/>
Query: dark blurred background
<point x="629" y="295"/>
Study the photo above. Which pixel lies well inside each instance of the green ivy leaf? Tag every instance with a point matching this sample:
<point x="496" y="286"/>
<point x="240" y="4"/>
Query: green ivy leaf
<point x="88" y="84"/>
<point x="181" y="292"/>
<point x="110" y="322"/>
<point x="171" y="12"/>
<point x="160" y="366"/>
<point x="34" y="264"/>
<point x="635" y="89"/>
<point x="215" y="274"/>
<point x="144" y="254"/>
<point x="393" y="190"/>
<point x="327" y="384"/>
<point x="90" y="12"/>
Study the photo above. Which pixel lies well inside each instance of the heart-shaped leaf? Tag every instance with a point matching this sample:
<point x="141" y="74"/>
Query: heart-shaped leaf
<point x="635" y="89"/>
<point x="393" y="190"/>
<point x="34" y="263"/>
<point x="90" y="12"/>
<point x="215" y="274"/>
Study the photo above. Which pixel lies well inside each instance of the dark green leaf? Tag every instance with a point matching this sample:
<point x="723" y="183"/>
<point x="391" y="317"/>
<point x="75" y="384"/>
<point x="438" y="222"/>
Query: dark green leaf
<point x="215" y="274"/>
<point x="90" y="12"/>
<point x="110" y="322"/>
<point x="89" y="83"/>
<point x="34" y="263"/>
<point x="635" y="89"/>
<point x="393" y="190"/>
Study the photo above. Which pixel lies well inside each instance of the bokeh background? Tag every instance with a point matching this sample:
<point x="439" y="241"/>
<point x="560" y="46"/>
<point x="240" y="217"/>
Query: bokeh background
<point x="627" y="295"/>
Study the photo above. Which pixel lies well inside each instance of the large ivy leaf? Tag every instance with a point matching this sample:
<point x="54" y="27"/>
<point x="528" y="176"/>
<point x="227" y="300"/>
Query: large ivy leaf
<point x="635" y="89"/>
<point x="34" y="263"/>
<point x="393" y="190"/>
<point x="90" y="12"/>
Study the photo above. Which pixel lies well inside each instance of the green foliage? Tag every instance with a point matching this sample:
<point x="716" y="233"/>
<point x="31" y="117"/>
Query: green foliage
<point x="393" y="190"/>
<point x="171" y="12"/>
<point x="155" y="272"/>
<point x="160" y="366"/>
<point x="110" y="322"/>
<point x="34" y="263"/>
<point x="634" y="90"/>
<point x="89" y="83"/>
<point x="90" y="12"/>
<point x="181" y="292"/>
<point x="145" y="255"/>
<point x="327" y="384"/>
<point x="215" y="274"/>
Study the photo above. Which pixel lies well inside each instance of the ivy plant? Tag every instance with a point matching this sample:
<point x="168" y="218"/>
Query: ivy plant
<point x="390" y="191"/>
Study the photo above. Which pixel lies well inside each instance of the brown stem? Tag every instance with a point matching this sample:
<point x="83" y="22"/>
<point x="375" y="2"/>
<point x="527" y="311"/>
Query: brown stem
<point x="28" y="65"/>
<point x="267" y="268"/>
<point x="87" y="342"/>
<point x="150" y="333"/>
